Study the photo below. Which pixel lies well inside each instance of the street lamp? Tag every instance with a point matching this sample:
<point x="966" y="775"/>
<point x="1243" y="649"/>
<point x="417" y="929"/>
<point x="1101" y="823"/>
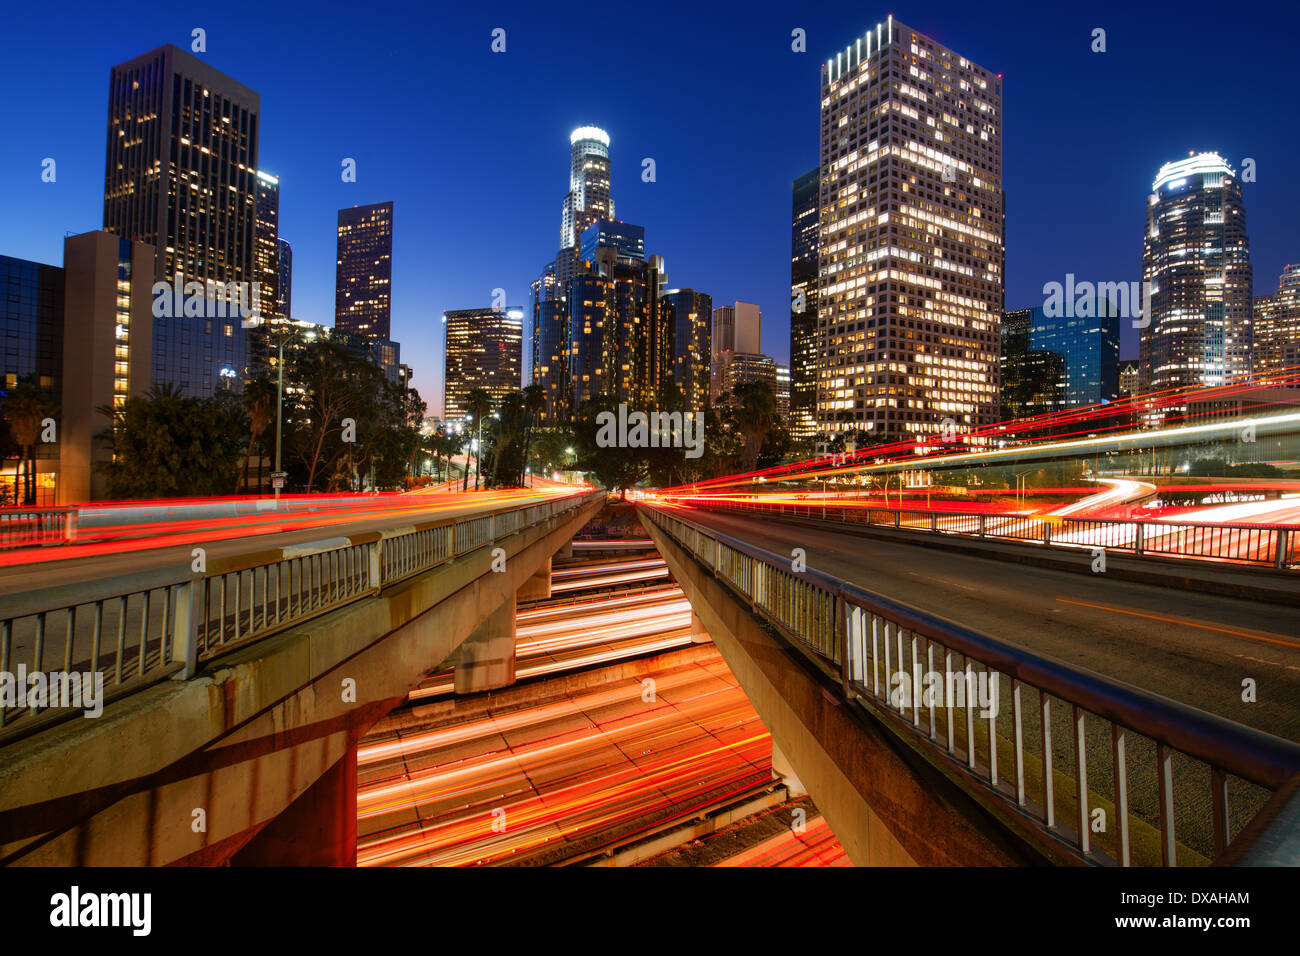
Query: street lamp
<point x="287" y="331"/>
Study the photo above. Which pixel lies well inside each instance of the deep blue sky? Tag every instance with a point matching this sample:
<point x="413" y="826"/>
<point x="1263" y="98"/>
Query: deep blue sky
<point x="473" y="147"/>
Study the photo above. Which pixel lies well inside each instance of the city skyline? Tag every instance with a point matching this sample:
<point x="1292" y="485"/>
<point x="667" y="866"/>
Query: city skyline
<point x="1042" y="180"/>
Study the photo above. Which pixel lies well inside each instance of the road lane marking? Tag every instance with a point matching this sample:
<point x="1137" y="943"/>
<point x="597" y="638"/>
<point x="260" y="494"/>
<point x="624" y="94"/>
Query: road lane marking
<point x="1258" y="660"/>
<point x="1249" y="635"/>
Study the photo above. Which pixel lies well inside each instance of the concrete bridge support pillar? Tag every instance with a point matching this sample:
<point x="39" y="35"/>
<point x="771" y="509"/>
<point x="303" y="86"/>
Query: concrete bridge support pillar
<point x="486" y="660"/>
<point x="783" y="770"/>
<point x="698" y="634"/>
<point x="538" y="587"/>
<point x="566" y="551"/>
<point x="317" y="829"/>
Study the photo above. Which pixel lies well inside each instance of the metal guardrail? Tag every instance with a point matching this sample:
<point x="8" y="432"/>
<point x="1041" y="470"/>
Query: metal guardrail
<point x="30" y="527"/>
<point x="1171" y="767"/>
<point x="136" y="629"/>
<point x="1261" y="545"/>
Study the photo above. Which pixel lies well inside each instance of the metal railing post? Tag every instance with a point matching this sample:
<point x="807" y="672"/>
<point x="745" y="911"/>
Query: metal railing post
<point x="185" y="629"/>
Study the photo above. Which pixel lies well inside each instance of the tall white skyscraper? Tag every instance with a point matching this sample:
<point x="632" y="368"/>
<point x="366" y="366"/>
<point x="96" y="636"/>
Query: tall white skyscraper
<point x="1196" y="257"/>
<point x="910" y="259"/>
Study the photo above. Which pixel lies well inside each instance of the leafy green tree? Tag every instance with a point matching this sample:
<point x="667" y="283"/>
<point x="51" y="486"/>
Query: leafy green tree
<point x="167" y="445"/>
<point x="505" y="460"/>
<point x="616" y="468"/>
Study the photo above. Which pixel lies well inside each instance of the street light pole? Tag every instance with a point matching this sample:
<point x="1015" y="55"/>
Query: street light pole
<point x="279" y="408"/>
<point x="478" y="454"/>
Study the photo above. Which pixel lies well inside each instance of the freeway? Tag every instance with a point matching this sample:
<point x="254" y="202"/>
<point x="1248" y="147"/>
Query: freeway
<point x="576" y="771"/>
<point x="1192" y="647"/>
<point x="149" y="545"/>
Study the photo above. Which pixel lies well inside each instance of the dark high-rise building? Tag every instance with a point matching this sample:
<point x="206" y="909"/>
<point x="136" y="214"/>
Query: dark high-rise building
<point x="1032" y="379"/>
<point x="910" y="238"/>
<point x="1086" y="344"/>
<point x="363" y="277"/>
<point x="31" y="297"/>
<point x="1277" y="325"/>
<point x="266" y="250"/>
<point x="180" y="172"/>
<point x="550" y="344"/>
<point x="689" y="316"/>
<point x="1196" y="258"/>
<point x="284" y="286"/>
<point x="803" y="306"/>
<point x="484" y="350"/>
<point x="620" y="343"/>
<point x="619" y="340"/>
<point x="31" y="303"/>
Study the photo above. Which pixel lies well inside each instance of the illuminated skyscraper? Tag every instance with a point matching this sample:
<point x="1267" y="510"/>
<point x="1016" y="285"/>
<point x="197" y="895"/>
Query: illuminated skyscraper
<point x="802" y="419"/>
<point x="364" y="270"/>
<point x="689" y="316"/>
<point x="588" y="198"/>
<point x="910" y="238"/>
<point x="619" y="342"/>
<point x="181" y="167"/>
<point x="1196" y="257"/>
<point x="484" y="350"/>
<point x="266" y="249"/>
<point x="1277" y="324"/>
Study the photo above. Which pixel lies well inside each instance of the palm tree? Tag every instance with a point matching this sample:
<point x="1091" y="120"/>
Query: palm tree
<point x="258" y="398"/>
<point x="756" y="414"/>
<point x="26" y="408"/>
<point x="479" y="403"/>
<point x="534" y="404"/>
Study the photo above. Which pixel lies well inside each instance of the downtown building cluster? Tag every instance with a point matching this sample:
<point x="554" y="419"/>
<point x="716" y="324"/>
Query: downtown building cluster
<point x="898" y="325"/>
<point x="188" y="284"/>
<point x="604" y="320"/>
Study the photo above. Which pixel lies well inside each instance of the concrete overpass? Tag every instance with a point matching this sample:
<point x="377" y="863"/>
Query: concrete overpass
<point x="1069" y="766"/>
<point x="238" y="685"/>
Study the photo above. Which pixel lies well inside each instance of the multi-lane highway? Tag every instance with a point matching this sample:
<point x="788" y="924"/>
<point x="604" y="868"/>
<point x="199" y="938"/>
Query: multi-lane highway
<point x="573" y="773"/>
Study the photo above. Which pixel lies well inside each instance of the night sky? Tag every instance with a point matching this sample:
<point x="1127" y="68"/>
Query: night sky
<point x="473" y="149"/>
